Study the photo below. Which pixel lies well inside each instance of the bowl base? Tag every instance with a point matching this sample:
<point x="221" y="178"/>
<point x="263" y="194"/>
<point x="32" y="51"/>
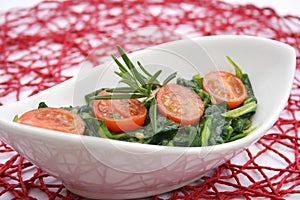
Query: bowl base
<point x="107" y="196"/>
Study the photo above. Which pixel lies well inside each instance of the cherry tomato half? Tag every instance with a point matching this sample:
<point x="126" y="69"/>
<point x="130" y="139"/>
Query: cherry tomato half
<point x="120" y="115"/>
<point x="180" y="104"/>
<point x="224" y="86"/>
<point x="57" y="119"/>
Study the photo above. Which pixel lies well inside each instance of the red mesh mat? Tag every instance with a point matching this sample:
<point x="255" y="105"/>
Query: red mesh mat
<point x="44" y="45"/>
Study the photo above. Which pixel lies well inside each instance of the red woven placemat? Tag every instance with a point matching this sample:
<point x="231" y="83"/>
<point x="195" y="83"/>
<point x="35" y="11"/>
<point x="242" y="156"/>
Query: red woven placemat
<point x="44" y="45"/>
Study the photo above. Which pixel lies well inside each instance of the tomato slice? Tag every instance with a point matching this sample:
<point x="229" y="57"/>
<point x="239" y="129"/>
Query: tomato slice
<point x="57" y="119"/>
<point x="224" y="86"/>
<point x="120" y="115"/>
<point x="180" y="104"/>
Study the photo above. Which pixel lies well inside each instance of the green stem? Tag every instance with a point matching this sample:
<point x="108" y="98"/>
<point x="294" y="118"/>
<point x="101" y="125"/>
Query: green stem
<point x="118" y="96"/>
<point x="247" y="108"/>
<point x="243" y="134"/>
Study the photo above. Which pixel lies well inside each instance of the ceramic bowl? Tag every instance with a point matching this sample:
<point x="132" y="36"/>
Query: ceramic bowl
<point x="108" y="169"/>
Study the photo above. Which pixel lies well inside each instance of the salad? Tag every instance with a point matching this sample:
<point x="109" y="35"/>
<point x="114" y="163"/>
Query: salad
<point x="205" y="110"/>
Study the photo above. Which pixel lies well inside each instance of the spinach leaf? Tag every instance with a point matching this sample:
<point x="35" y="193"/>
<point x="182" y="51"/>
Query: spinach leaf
<point x="194" y="136"/>
<point x="219" y="126"/>
<point x="204" y="96"/>
<point x="187" y="136"/>
<point x="250" y="94"/>
<point x="42" y="105"/>
<point x="206" y="131"/>
<point x="192" y="84"/>
<point x="166" y="130"/>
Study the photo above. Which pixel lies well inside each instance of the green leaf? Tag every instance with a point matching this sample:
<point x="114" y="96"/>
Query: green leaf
<point x="250" y="94"/>
<point x="194" y="136"/>
<point x="204" y="96"/>
<point x="133" y="85"/>
<point x="153" y="79"/>
<point x="121" y="67"/>
<point x="153" y="115"/>
<point x="199" y="79"/>
<point x="143" y="69"/>
<point x="127" y="76"/>
<point x="15" y="119"/>
<point x="205" y="133"/>
<point x="127" y="61"/>
<point x="119" y="96"/>
<point x="103" y="131"/>
<point x="121" y="89"/>
<point x="139" y="77"/>
<point x="42" y="105"/>
<point x="169" y="78"/>
<point x="219" y="124"/>
<point x="146" y="83"/>
<point x="238" y="71"/>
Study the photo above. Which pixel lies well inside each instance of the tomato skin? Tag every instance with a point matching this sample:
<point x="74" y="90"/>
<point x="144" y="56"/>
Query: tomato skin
<point x="56" y="119"/>
<point x="224" y="86"/>
<point x="180" y="104"/>
<point x="130" y="114"/>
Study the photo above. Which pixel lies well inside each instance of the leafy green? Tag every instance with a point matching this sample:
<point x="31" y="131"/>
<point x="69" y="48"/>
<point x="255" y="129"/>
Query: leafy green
<point x="165" y="131"/>
<point x="192" y="84"/>
<point x="16" y="117"/>
<point x="206" y="131"/>
<point x="42" y="105"/>
<point x="218" y="125"/>
<point x="238" y="71"/>
<point x="250" y="94"/>
<point x="194" y="136"/>
<point x="242" y="134"/>
<point x="153" y="115"/>
<point x="204" y="96"/>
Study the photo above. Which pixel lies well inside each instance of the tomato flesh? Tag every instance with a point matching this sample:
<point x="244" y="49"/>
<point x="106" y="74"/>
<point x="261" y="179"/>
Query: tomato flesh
<point x="224" y="86"/>
<point x="180" y="104"/>
<point x="120" y="115"/>
<point x="57" y="119"/>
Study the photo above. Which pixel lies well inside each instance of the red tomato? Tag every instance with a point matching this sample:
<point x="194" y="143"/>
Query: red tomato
<point x="120" y="115"/>
<point x="57" y="119"/>
<point x="179" y="103"/>
<point x="224" y="86"/>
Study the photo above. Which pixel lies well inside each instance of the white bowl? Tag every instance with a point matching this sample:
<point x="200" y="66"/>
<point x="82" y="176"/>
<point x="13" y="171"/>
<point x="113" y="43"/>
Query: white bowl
<point x="108" y="169"/>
